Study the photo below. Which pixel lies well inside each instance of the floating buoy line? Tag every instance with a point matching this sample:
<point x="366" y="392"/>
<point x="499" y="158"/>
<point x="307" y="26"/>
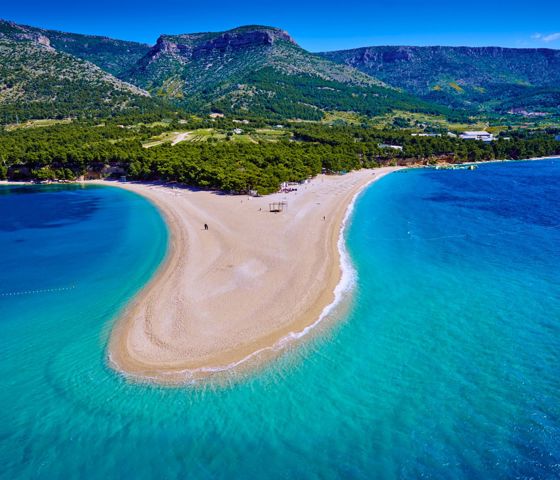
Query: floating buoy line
<point x="33" y="292"/>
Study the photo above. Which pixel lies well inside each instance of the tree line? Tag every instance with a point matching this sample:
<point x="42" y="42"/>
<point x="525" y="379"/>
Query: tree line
<point x="67" y="151"/>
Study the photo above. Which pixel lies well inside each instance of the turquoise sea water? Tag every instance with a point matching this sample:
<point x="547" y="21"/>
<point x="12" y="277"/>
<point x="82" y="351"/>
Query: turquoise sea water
<point x="445" y="366"/>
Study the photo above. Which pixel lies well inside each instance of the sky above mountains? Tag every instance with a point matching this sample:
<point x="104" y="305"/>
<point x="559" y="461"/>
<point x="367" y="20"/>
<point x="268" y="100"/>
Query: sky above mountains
<point x="316" y="26"/>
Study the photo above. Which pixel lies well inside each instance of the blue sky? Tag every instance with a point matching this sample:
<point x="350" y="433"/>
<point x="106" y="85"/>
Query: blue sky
<point x="315" y="25"/>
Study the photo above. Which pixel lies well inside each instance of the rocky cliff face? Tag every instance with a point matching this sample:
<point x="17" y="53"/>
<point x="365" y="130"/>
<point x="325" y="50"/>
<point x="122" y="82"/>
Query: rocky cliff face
<point x="441" y="57"/>
<point x="34" y="37"/>
<point x="198" y="45"/>
<point x="239" y="39"/>
<point x="13" y="31"/>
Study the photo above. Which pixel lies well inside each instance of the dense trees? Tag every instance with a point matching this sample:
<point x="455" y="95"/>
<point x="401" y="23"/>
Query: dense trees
<point x="70" y="150"/>
<point x="307" y="97"/>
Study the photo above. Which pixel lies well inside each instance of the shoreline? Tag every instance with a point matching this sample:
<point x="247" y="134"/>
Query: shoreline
<point x="178" y="364"/>
<point x="507" y="160"/>
<point x="144" y="347"/>
<point x="111" y="182"/>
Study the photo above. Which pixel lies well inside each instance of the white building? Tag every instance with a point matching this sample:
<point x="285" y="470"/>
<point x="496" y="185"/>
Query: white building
<point x="394" y="147"/>
<point x="483" y="136"/>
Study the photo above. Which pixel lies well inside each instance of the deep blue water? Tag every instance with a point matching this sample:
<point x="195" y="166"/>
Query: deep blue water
<point x="446" y="364"/>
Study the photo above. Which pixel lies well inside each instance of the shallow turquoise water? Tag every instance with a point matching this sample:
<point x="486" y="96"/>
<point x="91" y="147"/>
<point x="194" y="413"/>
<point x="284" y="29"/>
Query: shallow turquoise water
<point x="446" y="365"/>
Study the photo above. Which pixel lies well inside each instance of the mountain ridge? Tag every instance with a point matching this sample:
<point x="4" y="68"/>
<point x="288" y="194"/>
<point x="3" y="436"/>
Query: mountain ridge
<point x="112" y="55"/>
<point x="38" y="80"/>
<point x="261" y="70"/>
<point x="490" y="78"/>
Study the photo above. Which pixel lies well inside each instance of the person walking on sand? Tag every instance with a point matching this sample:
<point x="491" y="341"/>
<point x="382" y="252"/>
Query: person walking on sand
<point x="205" y="226"/>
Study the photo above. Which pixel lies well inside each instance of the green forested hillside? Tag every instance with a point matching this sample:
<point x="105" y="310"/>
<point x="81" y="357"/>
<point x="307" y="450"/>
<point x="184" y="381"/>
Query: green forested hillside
<point x="256" y="71"/>
<point x="39" y="82"/>
<point x="113" y="56"/>
<point x="478" y="78"/>
<point x="260" y="71"/>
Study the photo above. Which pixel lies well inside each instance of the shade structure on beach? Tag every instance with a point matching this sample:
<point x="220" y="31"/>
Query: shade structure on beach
<point x="277" y="207"/>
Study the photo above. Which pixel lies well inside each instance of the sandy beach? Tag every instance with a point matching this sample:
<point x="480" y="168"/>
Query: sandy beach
<point x="250" y="281"/>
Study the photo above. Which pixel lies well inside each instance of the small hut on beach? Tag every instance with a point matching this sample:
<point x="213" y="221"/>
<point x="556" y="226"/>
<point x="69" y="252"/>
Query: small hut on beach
<point x="277" y="207"/>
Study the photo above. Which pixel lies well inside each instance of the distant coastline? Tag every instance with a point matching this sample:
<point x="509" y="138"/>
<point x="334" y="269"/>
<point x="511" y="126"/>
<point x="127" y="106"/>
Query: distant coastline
<point x="511" y="160"/>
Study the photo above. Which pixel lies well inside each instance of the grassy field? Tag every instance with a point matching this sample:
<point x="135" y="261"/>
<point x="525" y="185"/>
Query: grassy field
<point x="419" y="121"/>
<point x="211" y="134"/>
<point x="36" y="124"/>
<point x="168" y="137"/>
<point x="271" y="134"/>
<point x="350" y="118"/>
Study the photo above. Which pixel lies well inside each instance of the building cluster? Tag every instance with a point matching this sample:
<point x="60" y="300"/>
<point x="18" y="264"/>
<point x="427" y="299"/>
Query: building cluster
<point x="482" y="136"/>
